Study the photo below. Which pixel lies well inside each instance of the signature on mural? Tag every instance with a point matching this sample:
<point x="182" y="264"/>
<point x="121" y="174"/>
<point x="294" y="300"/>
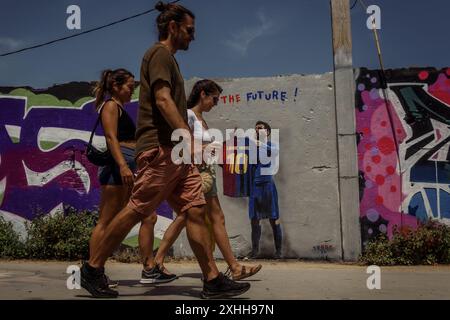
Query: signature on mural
<point x="324" y="247"/>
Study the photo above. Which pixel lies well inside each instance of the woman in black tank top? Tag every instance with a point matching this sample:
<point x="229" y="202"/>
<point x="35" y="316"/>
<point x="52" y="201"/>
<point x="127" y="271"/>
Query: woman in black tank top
<point x="117" y="179"/>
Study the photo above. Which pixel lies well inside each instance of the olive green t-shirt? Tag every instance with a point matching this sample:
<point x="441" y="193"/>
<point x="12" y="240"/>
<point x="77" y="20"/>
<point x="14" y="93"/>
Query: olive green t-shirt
<point x="152" y="129"/>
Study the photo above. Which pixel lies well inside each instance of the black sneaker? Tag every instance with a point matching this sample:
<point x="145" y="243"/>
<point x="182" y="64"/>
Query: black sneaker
<point x="111" y="283"/>
<point x="156" y="275"/>
<point x="222" y="287"/>
<point x="94" y="281"/>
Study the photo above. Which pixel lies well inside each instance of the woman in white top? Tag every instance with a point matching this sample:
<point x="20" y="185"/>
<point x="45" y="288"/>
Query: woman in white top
<point x="204" y="96"/>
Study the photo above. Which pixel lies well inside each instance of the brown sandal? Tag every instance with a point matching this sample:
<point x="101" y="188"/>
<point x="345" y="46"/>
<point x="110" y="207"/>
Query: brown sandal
<point x="244" y="273"/>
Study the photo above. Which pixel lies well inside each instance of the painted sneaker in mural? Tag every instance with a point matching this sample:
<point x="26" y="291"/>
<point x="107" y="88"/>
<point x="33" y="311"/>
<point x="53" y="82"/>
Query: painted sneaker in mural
<point x="277" y="255"/>
<point x="94" y="281"/>
<point x="156" y="275"/>
<point x="254" y="254"/>
<point x="223" y="287"/>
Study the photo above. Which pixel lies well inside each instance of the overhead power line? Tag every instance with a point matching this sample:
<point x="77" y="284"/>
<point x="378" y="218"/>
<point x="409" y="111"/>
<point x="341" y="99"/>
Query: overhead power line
<point x="81" y="33"/>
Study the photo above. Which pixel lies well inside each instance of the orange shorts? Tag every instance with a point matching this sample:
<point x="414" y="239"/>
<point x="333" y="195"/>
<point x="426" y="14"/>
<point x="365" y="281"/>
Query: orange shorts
<point x="159" y="179"/>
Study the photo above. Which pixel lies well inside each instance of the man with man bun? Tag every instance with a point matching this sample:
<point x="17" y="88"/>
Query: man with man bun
<point x="162" y="109"/>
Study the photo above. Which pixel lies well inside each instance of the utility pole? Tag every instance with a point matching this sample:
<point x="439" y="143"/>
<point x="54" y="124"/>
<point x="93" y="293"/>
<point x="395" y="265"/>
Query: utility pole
<point x="344" y="90"/>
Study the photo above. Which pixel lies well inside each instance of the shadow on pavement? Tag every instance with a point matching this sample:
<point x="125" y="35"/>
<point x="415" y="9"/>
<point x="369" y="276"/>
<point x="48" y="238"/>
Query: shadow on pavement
<point x="158" y="291"/>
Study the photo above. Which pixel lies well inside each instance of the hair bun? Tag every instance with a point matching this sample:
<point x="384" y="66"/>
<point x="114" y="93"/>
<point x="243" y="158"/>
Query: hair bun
<point x="161" y="6"/>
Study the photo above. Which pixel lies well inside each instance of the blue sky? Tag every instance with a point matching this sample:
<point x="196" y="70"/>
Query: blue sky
<point x="234" y="38"/>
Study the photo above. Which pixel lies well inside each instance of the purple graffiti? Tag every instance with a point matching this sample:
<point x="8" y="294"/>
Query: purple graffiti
<point x="25" y="198"/>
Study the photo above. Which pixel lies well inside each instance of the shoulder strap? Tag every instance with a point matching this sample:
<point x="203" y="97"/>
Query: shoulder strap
<point x="120" y="109"/>
<point x="100" y="117"/>
<point x="96" y="124"/>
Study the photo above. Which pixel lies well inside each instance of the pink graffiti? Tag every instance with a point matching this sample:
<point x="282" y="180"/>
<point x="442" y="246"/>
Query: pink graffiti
<point x="377" y="157"/>
<point x="441" y="88"/>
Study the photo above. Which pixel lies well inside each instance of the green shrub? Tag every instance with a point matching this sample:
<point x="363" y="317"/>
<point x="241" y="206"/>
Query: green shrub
<point x="428" y="244"/>
<point x="62" y="236"/>
<point x="127" y="254"/>
<point x="378" y="252"/>
<point x="10" y="245"/>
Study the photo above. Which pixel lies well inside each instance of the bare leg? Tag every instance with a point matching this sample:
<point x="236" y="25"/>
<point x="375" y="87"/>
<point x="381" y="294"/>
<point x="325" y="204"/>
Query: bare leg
<point x="220" y="233"/>
<point x="146" y="239"/>
<point x="171" y="234"/>
<point x="116" y="231"/>
<point x="217" y="218"/>
<point x="199" y="240"/>
<point x="111" y="202"/>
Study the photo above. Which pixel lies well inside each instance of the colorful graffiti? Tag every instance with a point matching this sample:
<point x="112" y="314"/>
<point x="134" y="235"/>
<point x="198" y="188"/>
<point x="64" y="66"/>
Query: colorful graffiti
<point x="43" y="165"/>
<point x="403" y="148"/>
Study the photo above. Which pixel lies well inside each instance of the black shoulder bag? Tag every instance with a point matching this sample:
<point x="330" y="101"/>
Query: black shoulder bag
<point x="95" y="156"/>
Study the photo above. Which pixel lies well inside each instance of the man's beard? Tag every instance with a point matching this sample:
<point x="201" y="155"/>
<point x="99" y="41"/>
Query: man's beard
<point x="183" y="45"/>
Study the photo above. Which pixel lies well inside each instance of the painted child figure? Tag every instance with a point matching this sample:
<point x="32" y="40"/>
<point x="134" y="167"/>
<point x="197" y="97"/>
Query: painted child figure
<point x="263" y="200"/>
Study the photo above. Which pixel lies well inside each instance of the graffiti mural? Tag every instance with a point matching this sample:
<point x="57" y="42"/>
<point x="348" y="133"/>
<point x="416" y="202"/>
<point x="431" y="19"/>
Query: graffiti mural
<point x="403" y="148"/>
<point x="43" y="165"/>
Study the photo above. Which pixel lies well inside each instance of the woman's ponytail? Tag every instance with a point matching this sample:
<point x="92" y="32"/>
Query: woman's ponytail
<point x="101" y="87"/>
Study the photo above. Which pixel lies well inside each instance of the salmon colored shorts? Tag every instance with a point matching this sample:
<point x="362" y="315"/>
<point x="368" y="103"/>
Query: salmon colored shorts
<point x="159" y="179"/>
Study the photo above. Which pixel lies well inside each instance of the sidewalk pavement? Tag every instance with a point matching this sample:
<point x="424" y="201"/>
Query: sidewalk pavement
<point x="283" y="280"/>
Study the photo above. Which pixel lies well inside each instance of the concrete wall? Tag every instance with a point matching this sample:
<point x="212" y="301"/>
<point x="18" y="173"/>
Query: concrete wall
<point x="42" y="160"/>
<point x="42" y="165"/>
<point x="307" y="178"/>
<point x="415" y="125"/>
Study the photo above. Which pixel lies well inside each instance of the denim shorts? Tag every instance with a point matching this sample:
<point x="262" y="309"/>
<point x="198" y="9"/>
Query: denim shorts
<point x="110" y="175"/>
